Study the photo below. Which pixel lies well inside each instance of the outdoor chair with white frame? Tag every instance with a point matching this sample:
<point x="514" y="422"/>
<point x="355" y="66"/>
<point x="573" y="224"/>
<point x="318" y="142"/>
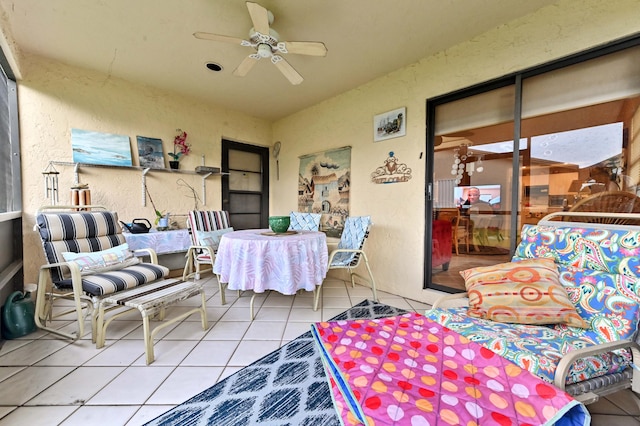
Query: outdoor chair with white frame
<point x="350" y="252"/>
<point x="206" y="228"/>
<point x="87" y="259"/>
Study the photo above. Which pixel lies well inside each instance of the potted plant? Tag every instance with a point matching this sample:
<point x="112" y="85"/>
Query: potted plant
<point x="180" y="148"/>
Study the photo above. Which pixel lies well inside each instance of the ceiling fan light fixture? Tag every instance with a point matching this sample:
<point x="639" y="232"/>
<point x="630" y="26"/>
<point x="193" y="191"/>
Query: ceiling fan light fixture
<point x="264" y="50"/>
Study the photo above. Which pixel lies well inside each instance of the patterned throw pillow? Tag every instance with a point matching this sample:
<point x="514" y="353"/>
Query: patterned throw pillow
<point x="211" y="238"/>
<point x="610" y="303"/>
<point x="525" y="292"/>
<point x="103" y="261"/>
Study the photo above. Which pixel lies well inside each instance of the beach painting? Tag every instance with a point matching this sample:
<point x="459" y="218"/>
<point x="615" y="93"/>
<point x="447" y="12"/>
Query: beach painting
<point x="150" y="152"/>
<point x="108" y="149"/>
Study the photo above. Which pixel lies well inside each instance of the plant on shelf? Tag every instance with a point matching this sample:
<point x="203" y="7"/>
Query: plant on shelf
<point x="180" y="148"/>
<point x="159" y="214"/>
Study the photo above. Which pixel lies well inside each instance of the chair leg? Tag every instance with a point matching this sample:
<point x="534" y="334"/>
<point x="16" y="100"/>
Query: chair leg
<point x="316" y="296"/>
<point x="223" y="298"/>
<point x="373" y="282"/>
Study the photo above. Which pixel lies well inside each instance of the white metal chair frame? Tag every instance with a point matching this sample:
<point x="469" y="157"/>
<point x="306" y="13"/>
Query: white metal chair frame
<point x="211" y="220"/>
<point x="84" y="304"/>
<point x="354" y="235"/>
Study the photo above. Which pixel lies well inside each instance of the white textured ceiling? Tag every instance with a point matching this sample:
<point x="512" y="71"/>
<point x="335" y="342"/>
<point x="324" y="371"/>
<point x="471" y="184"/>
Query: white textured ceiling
<point x="151" y="42"/>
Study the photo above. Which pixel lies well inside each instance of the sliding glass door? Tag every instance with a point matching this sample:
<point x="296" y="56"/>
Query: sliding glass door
<point x="577" y="127"/>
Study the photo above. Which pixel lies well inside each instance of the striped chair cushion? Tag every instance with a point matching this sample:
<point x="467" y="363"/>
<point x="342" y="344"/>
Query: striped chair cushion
<point x="211" y="220"/>
<point x="123" y="279"/>
<point x="89" y="232"/>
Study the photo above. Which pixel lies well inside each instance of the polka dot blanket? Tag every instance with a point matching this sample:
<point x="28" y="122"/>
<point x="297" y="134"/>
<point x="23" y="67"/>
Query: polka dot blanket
<point x="409" y="370"/>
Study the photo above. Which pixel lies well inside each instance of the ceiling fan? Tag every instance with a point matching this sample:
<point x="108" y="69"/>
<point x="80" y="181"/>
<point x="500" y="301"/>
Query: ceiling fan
<point x="265" y="41"/>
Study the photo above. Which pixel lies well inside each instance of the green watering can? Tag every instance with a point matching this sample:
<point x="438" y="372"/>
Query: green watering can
<point x="18" y="316"/>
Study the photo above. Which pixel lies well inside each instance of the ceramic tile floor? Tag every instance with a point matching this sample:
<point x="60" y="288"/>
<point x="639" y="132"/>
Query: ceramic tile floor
<point x="45" y="380"/>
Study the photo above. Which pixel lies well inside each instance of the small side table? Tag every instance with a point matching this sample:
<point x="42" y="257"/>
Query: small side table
<point x="151" y="299"/>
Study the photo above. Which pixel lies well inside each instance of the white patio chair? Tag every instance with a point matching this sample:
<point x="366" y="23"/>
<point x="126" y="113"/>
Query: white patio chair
<point x="350" y="252"/>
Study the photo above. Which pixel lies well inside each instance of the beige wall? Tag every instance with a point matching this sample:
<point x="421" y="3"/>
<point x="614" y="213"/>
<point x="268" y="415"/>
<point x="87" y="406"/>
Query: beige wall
<point x="54" y="98"/>
<point x="396" y="243"/>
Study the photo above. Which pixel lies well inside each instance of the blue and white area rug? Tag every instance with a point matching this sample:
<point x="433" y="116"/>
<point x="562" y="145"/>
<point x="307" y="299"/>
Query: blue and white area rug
<point x="286" y="387"/>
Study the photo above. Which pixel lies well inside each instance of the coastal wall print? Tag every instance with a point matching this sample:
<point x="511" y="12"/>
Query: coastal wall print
<point x="150" y="152"/>
<point x="100" y="148"/>
<point x="391" y="124"/>
<point x="323" y="187"/>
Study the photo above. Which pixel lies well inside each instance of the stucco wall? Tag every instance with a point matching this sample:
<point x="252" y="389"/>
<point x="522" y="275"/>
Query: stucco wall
<point x="54" y="98"/>
<point x="396" y="242"/>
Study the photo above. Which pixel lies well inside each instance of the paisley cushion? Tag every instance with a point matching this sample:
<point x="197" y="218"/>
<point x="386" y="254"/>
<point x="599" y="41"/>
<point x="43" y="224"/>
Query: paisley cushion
<point x="524" y="292"/>
<point x="608" y="302"/>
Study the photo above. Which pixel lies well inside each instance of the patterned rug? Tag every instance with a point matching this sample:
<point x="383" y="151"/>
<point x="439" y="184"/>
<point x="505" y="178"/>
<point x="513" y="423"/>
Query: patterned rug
<point x="286" y="387"/>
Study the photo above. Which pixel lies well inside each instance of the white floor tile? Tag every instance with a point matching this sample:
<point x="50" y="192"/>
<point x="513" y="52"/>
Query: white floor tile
<point x="118" y="353"/>
<point x="306" y="315"/>
<point x="38" y="416"/>
<point x="187" y="330"/>
<point x="95" y="415"/>
<point x="134" y="386"/>
<point x="272" y="314"/>
<point x="295" y="329"/>
<point x="214" y="353"/>
<point x="265" y="330"/>
<point x="75" y="354"/>
<point x="236" y="314"/>
<point x="32" y="353"/>
<point x="147" y="413"/>
<point x="168" y="352"/>
<point x="77" y="387"/>
<point x="6" y="372"/>
<point x="185" y="381"/>
<point x="252" y="350"/>
<point x="227" y="330"/>
<point x="27" y="383"/>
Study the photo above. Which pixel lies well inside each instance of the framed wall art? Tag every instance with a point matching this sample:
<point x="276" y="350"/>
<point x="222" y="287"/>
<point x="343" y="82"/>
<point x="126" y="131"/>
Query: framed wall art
<point x="391" y="124"/>
<point x="150" y="152"/>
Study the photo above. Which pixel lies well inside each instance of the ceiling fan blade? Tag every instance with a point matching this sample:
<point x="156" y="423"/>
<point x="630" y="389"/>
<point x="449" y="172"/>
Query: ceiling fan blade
<point x="259" y="17"/>
<point x="313" y="48"/>
<point x="286" y="69"/>
<point x="246" y="65"/>
<point x="217" y="37"/>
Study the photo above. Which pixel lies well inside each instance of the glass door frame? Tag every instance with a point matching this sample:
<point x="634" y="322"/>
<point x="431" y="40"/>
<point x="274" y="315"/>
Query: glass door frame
<point x="515" y="79"/>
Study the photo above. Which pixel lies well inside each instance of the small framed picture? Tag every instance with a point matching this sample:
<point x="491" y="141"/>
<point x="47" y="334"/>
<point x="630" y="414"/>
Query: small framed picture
<point x="150" y="152"/>
<point x="391" y="124"/>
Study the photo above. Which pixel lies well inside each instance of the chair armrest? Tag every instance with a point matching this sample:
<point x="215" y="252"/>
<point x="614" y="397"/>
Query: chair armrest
<point x="560" y="378"/>
<point x="445" y="300"/>
<point x="153" y="257"/>
<point x="343" y="250"/>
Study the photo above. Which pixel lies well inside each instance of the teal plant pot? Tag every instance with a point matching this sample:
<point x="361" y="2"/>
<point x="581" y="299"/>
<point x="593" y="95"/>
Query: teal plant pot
<point x="279" y="224"/>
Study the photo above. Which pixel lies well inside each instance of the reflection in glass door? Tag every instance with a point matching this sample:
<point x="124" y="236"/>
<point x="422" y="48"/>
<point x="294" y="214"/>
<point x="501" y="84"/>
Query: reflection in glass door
<point x="472" y="175"/>
<point x="577" y="124"/>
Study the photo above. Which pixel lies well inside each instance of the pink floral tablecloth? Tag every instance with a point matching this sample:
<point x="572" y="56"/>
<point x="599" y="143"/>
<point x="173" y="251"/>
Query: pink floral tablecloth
<point x="250" y="260"/>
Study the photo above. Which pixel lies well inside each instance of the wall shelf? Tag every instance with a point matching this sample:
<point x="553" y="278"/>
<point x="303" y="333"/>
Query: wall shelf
<point x="210" y="171"/>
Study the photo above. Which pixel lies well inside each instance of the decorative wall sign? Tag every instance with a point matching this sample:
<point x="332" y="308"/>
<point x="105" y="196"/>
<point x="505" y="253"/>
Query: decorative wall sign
<point x="323" y="187"/>
<point x="100" y="148"/>
<point x="391" y="171"/>
<point x="150" y="152"/>
<point x="390" y="124"/>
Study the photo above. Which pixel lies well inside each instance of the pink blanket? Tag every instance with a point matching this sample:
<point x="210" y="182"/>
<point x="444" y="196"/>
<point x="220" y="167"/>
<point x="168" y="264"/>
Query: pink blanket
<point x="409" y="370"/>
